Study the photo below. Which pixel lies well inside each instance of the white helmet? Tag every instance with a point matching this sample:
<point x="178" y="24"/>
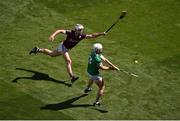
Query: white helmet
<point x="79" y="27"/>
<point x="97" y="47"/>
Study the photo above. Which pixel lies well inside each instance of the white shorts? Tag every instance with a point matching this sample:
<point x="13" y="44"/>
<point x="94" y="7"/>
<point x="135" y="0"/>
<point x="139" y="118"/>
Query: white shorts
<point x="62" y="48"/>
<point x="95" y="77"/>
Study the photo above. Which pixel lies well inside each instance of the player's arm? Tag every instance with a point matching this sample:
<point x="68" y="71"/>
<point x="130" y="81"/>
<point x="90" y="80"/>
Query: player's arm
<point x="109" y="63"/>
<point x="102" y="67"/>
<point x="94" y="35"/>
<point x="60" y="31"/>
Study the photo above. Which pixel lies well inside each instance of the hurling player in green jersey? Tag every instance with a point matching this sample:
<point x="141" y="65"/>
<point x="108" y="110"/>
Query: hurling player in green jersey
<point x="96" y="61"/>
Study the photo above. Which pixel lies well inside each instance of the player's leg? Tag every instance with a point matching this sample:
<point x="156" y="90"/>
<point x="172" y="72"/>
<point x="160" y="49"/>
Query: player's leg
<point x="88" y="88"/>
<point x="53" y="53"/>
<point x="101" y="86"/>
<point x="69" y="66"/>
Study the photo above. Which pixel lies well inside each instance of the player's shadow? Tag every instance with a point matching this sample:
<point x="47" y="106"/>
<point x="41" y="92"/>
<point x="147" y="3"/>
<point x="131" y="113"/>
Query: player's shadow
<point x="69" y="104"/>
<point x="40" y="77"/>
<point x="66" y="104"/>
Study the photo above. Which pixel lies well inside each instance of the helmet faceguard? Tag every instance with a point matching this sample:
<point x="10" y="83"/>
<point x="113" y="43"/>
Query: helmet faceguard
<point x="97" y="47"/>
<point x="79" y="29"/>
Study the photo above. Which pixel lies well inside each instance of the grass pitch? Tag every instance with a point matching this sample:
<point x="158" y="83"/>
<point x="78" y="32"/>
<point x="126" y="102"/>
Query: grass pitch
<point x="33" y="87"/>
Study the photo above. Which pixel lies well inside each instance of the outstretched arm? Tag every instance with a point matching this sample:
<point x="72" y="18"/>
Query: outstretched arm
<point x="62" y="31"/>
<point x="94" y="35"/>
<point x="109" y="63"/>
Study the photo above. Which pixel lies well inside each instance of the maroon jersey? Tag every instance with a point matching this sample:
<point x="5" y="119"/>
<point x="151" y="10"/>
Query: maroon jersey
<point x="72" y="39"/>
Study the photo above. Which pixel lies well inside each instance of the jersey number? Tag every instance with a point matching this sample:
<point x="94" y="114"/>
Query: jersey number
<point x="90" y="60"/>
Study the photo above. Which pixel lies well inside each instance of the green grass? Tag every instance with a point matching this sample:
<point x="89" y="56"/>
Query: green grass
<point x="150" y="34"/>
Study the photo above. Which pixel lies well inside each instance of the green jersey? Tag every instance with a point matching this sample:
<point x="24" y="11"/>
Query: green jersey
<point x="93" y="63"/>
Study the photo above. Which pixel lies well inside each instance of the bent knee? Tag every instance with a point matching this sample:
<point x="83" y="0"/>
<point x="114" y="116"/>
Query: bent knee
<point x="102" y="90"/>
<point x="69" y="61"/>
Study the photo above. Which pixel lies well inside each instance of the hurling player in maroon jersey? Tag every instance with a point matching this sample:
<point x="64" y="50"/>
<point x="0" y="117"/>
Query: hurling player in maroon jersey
<point x="72" y="39"/>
